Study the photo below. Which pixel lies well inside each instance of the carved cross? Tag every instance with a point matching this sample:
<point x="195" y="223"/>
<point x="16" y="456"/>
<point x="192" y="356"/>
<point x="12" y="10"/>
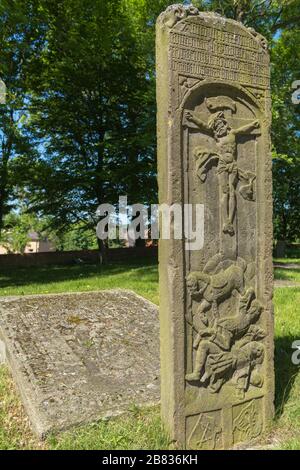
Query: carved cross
<point x="224" y="133"/>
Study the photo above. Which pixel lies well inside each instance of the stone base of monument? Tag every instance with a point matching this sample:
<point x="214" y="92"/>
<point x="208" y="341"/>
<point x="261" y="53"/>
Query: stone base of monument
<point x="80" y="357"/>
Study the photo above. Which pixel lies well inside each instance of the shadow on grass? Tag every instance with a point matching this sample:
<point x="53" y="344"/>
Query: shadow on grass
<point x="285" y="371"/>
<point x="51" y="274"/>
<point x="286" y="274"/>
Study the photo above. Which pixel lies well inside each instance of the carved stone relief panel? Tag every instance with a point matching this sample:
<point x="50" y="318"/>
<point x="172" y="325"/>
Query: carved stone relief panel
<point x="216" y="302"/>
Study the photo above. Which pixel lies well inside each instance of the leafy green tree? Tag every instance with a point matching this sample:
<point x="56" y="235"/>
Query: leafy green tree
<point x="77" y="238"/>
<point x="93" y="111"/>
<point x="16" y="235"/>
<point x="83" y="124"/>
<point x="286" y="136"/>
<point x="266" y="16"/>
<point x="19" y="39"/>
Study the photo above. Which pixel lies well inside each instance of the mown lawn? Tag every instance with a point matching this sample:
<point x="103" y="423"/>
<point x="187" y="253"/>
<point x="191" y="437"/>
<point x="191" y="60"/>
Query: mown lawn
<point x="287" y="386"/>
<point x="287" y="260"/>
<point x="140" y="428"/>
<point x="290" y="274"/>
<point x="141" y="276"/>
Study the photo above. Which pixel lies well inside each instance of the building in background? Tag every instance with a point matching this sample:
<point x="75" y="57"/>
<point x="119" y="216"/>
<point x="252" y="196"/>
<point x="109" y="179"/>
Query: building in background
<point x="35" y="244"/>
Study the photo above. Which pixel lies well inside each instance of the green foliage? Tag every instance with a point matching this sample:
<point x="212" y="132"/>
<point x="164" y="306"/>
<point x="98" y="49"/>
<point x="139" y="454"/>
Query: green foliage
<point x="77" y="238"/>
<point x="15" y="239"/>
<point x="20" y="39"/>
<point x="79" y="127"/>
<point x="92" y="110"/>
<point x="266" y="16"/>
<point x="285" y="136"/>
<point x="17" y="228"/>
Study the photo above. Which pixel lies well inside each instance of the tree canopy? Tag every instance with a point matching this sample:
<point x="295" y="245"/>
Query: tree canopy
<point x="79" y="125"/>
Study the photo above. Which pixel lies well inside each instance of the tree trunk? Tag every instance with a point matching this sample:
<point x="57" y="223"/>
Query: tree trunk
<point x="102" y="251"/>
<point x="280" y="249"/>
<point x="3" y="187"/>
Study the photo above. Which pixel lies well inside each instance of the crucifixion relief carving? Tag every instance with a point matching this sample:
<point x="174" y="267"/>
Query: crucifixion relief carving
<point x="225" y="157"/>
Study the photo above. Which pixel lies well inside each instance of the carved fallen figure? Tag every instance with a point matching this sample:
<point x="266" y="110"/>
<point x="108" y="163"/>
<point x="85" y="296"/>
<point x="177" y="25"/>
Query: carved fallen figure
<point x="212" y="290"/>
<point x="226" y="347"/>
<point x="229" y="174"/>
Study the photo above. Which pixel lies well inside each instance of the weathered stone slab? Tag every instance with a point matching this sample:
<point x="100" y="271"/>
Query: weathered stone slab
<point x="213" y="98"/>
<point x="79" y="357"/>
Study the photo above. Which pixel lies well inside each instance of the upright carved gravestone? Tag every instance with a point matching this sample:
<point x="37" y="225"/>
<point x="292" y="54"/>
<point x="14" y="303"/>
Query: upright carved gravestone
<point x="216" y="313"/>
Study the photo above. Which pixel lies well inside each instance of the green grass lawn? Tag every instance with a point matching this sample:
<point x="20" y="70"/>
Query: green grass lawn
<point x="290" y="274"/>
<point x="287" y="402"/>
<point x="287" y="260"/>
<point x="139" y="428"/>
<point x="287" y="274"/>
<point x="140" y="276"/>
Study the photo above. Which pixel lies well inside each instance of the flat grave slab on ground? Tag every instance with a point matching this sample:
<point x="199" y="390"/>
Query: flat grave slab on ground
<point x="82" y="356"/>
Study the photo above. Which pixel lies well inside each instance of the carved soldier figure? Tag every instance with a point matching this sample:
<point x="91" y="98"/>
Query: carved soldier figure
<point x="212" y="289"/>
<point x="226" y="156"/>
<point x="218" y="351"/>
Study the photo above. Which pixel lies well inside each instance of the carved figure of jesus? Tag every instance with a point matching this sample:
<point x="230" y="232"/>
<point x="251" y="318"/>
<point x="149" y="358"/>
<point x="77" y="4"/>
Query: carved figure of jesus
<point x="228" y="172"/>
